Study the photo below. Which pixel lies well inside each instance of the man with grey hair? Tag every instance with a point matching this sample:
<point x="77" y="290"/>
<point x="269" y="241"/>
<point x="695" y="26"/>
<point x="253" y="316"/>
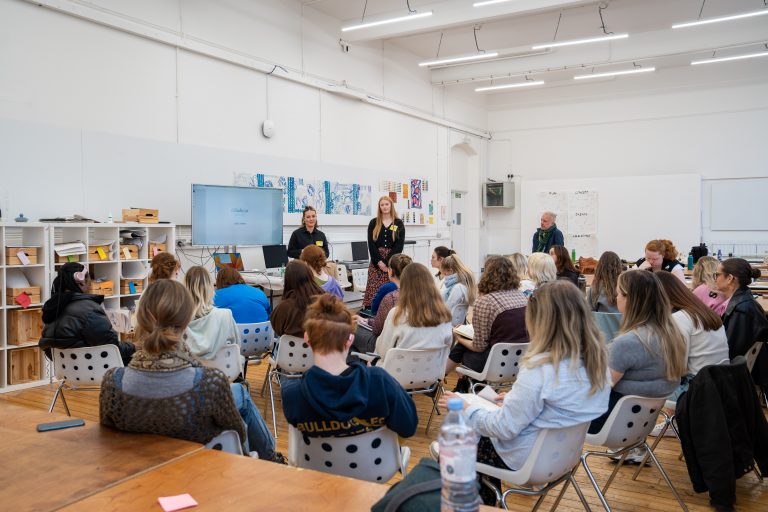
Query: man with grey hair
<point x="548" y="234"/>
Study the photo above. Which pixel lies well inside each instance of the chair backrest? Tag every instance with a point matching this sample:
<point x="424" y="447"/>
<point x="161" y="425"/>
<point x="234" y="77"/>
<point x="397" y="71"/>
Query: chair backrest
<point x="227" y="441"/>
<point x="608" y="323"/>
<point x="359" y="279"/>
<point x="631" y="420"/>
<point x="85" y="367"/>
<point x="555" y="452"/>
<point x="373" y="456"/>
<point x="255" y="339"/>
<point x="294" y="355"/>
<point x="503" y="363"/>
<point x="341" y="275"/>
<point x="227" y="359"/>
<point x="415" y="369"/>
<point x="751" y="355"/>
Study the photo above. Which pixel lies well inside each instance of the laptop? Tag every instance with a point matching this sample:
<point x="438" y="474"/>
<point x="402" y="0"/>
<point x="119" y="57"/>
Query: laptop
<point x="228" y="259"/>
<point x="359" y="256"/>
<point x="275" y="257"/>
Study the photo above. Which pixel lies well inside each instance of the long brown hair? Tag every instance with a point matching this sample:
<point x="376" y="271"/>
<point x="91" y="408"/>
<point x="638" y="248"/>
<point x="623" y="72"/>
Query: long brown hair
<point x="379" y="217"/>
<point x="328" y="324"/>
<point x="499" y="275"/>
<point x="228" y="276"/>
<point x="607" y="272"/>
<point x="164" y="312"/>
<point x="648" y="306"/>
<point x="200" y="286"/>
<point x="453" y="264"/>
<point x="563" y="261"/>
<point x="561" y="326"/>
<point x="419" y="300"/>
<point x="703" y="272"/>
<point x="680" y="297"/>
<point x="163" y="265"/>
<point x="666" y="248"/>
<point x="300" y="284"/>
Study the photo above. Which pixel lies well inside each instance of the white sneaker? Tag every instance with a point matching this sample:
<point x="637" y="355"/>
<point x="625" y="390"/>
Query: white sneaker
<point x="657" y="430"/>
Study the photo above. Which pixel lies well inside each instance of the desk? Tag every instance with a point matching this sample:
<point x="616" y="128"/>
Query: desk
<point x="43" y="471"/>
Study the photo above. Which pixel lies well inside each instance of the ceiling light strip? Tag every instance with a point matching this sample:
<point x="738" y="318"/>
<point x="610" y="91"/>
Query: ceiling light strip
<point x="489" y="2"/>
<point x="726" y="59"/>
<point x="529" y="83"/>
<point x="723" y="18"/>
<point x="387" y="21"/>
<point x="556" y="44"/>
<point x="615" y="73"/>
<point x="465" y="58"/>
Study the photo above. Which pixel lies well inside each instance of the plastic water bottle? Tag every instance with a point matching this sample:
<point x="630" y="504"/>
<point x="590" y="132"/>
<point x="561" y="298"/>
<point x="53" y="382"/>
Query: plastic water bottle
<point x="458" y="456"/>
<point x="690" y="262"/>
<point x="573" y="255"/>
<point x="719" y="255"/>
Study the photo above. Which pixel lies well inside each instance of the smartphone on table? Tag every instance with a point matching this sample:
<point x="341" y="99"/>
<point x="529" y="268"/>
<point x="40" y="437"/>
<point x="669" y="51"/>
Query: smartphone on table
<point x="58" y="425"/>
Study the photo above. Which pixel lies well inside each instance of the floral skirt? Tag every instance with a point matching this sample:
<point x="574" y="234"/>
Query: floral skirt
<point x="376" y="278"/>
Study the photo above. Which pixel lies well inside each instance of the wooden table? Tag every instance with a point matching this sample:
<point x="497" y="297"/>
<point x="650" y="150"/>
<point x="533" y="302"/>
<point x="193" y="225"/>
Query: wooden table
<point x="47" y="470"/>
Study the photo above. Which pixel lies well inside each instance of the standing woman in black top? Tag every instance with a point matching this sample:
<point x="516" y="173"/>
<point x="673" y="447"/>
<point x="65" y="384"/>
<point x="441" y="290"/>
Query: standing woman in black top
<point x="307" y="234"/>
<point x="386" y="235"/>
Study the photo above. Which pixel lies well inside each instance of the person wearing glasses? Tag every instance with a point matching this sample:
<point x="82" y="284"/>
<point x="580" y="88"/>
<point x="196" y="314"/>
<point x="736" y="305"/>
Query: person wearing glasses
<point x="307" y="234"/>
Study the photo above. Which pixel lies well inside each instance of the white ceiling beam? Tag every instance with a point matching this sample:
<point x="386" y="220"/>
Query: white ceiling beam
<point x="450" y="13"/>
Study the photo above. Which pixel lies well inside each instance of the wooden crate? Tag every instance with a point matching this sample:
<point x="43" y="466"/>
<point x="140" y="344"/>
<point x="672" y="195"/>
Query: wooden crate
<point x="24" y="326"/>
<point x="102" y="288"/>
<point x="141" y="215"/>
<point x="24" y="365"/>
<point x="154" y="249"/>
<point x="125" y="288"/>
<point x="11" y="257"/>
<point x="12" y="293"/>
<point x="129" y="252"/>
<point x="66" y="259"/>
<point x="93" y="252"/>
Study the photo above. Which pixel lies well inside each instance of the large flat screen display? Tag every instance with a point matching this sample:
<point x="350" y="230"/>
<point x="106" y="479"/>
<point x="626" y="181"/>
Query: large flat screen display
<point x="224" y="215"/>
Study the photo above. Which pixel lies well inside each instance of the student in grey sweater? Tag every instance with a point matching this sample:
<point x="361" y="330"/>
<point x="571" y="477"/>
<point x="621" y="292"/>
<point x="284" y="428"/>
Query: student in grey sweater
<point x="460" y="290"/>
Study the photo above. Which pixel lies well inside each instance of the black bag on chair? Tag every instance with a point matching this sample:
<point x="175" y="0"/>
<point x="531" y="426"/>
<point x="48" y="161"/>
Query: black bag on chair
<point x="419" y="491"/>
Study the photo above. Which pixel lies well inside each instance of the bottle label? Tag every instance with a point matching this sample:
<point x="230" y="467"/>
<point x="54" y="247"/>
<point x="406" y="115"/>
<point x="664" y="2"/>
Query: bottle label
<point x="458" y="464"/>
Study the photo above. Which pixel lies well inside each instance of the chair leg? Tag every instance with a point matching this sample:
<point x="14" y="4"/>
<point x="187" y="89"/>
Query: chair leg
<point x="272" y="401"/>
<point x="578" y="491"/>
<point x="594" y="482"/>
<point x="666" y="477"/>
<point x="60" y="392"/>
<point x="561" y="493"/>
<point x="538" y="502"/>
<point x="245" y="368"/>
<point x="667" y="423"/>
<point x="438" y="392"/>
<point x="500" y="499"/>
<point x="266" y="376"/>
<point x="756" y="471"/>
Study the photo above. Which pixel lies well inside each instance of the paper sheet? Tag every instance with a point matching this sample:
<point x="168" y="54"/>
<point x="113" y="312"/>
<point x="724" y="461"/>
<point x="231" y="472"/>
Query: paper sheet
<point x="15" y="278"/>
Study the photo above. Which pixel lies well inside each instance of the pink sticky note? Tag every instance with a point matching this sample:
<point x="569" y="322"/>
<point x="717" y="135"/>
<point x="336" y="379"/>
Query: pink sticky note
<point x="171" y="503"/>
<point x="23" y="257"/>
<point x="23" y="300"/>
<point x="155" y="251"/>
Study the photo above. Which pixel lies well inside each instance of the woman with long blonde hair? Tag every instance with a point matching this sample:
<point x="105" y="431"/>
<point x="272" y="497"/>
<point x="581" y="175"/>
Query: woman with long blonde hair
<point x="211" y="328"/>
<point x="459" y="291"/>
<point x="704" y="286"/>
<point x="386" y="236"/>
<point x="563" y="381"/>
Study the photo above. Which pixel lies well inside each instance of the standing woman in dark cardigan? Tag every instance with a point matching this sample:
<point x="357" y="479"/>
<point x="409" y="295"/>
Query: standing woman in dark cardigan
<point x="386" y="236"/>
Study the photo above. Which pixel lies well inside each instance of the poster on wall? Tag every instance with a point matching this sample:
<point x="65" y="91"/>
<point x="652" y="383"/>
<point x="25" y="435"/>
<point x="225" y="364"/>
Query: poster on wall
<point x="576" y="218"/>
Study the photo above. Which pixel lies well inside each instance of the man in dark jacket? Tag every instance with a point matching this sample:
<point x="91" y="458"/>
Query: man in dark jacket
<point x="74" y="319"/>
<point x="548" y="234"/>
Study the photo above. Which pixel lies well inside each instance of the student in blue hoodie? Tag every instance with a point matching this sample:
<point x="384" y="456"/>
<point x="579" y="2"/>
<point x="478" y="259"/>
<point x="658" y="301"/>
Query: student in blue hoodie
<point x="336" y="399"/>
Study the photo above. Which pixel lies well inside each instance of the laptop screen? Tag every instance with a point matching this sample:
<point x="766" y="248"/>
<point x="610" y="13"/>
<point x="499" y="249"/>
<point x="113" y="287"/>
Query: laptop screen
<point x="275" y="256"/>
<point x="359" y="251"/>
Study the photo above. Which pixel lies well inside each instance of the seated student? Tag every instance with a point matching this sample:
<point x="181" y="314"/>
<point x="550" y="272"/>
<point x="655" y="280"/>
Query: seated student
<point x="601" y="295"/>
<point x="164" y="265"/>
<point x="334" y="398"/>
<point x="701" y="328"/>
<point x="541" y="269"/>
<point x="564" y="265"/>
<point x="249" y="305"/>
<point x="314" y="256"/>
<point x="499" y="316"/>
<point x="648" y="357"/>
<point x="370" y="328"/>
<point x="211" y="328"/>
<point x="73" y="318"/>
<point x="165" y="391"/>
<point x="459" y="288"/>
<point x="704" y="287"/>
<point x="661" y="255"/>
<point x="562" y="381"/>
<point x="420" y="320"/>
<point x="520" y="262"/>
<point x="299" y="289"/>
<point x="438" y="253"/>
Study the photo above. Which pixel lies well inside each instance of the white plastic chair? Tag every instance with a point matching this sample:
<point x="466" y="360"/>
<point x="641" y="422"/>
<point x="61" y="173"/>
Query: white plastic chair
<point x="373" y="456"/>
<point x="359" y="279"/>
<point x="751" y="355"/>
<point x="341" y="276"/>
<point x="82" y="369"/>
<point x="294" y="357"/>
<point x="554" y="459"/>
<point x="255" y="342"/>
<point x="501" y="367"/>
<point x="228" y="360"/>
<point x="227" y="441"/>
<point x="626" y="428"/>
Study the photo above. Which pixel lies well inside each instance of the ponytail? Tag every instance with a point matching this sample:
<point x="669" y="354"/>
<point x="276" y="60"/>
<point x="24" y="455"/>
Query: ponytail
<point x="165" y="310"/>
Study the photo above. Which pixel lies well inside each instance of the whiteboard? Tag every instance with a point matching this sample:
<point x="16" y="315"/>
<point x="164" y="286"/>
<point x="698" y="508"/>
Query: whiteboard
<point x="630" y="211"/>
<point x="739" y="205"/>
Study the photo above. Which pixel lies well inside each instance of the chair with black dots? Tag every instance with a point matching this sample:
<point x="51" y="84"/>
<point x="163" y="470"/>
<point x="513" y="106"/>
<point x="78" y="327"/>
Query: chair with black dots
<point x="373" y="456"/>
<point x="227" y="441"/>
<point x="501" y="367"/>
<point x="626" y="428"/>
<point x="294" y="357"/>
<point x="228" y="360"/>
<point x="82" y="369"/>
<point x="255" y="342"/>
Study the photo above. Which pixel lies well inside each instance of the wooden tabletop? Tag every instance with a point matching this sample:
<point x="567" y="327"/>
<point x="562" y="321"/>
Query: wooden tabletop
<point x="44" y="471"/>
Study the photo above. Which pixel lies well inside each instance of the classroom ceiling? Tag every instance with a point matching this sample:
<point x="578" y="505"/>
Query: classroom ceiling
<point x="510" y="28"/>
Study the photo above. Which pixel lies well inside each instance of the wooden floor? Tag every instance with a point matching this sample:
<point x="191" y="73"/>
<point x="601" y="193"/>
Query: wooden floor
<point x="648" y="493"/>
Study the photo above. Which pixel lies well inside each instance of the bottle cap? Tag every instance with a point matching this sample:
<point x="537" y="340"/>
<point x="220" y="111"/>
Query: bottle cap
<point x="455" y="404"/>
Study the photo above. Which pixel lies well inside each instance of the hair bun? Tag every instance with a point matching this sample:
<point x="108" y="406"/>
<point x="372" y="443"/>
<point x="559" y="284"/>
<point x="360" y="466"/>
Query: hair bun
<point x="756" y="273"/>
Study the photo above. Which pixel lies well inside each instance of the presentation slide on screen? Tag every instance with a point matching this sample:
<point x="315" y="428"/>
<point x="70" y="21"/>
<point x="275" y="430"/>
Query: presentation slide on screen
<point x="236" y="215"/>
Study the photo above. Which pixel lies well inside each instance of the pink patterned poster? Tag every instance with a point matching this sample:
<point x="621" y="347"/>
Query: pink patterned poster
<point x="415" y="193"/>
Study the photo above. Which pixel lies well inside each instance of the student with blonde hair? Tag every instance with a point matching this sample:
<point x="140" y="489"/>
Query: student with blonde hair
<point x="520" y="263"/>
<point x="541" y="268"/>
<point x="211" y="328"/>
<point x="420" y="320"/>
<point x="386" y="236"/>
<point x="704" y="286"/>
<point x="563" y="381"/>
<point x="459" y="290"/>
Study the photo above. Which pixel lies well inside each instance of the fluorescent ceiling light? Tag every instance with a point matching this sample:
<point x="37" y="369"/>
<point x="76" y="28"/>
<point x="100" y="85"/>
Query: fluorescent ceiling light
<point x="726" y="59"/>
<point x="465" y="58"/>
<point x="387" y="21"/>
<point x="555" y="44"/>
<point x="489" y="2"/>
<point x="723" y="18"/>
<point x="615" y="73"/>
<point x="529" y="83"/>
